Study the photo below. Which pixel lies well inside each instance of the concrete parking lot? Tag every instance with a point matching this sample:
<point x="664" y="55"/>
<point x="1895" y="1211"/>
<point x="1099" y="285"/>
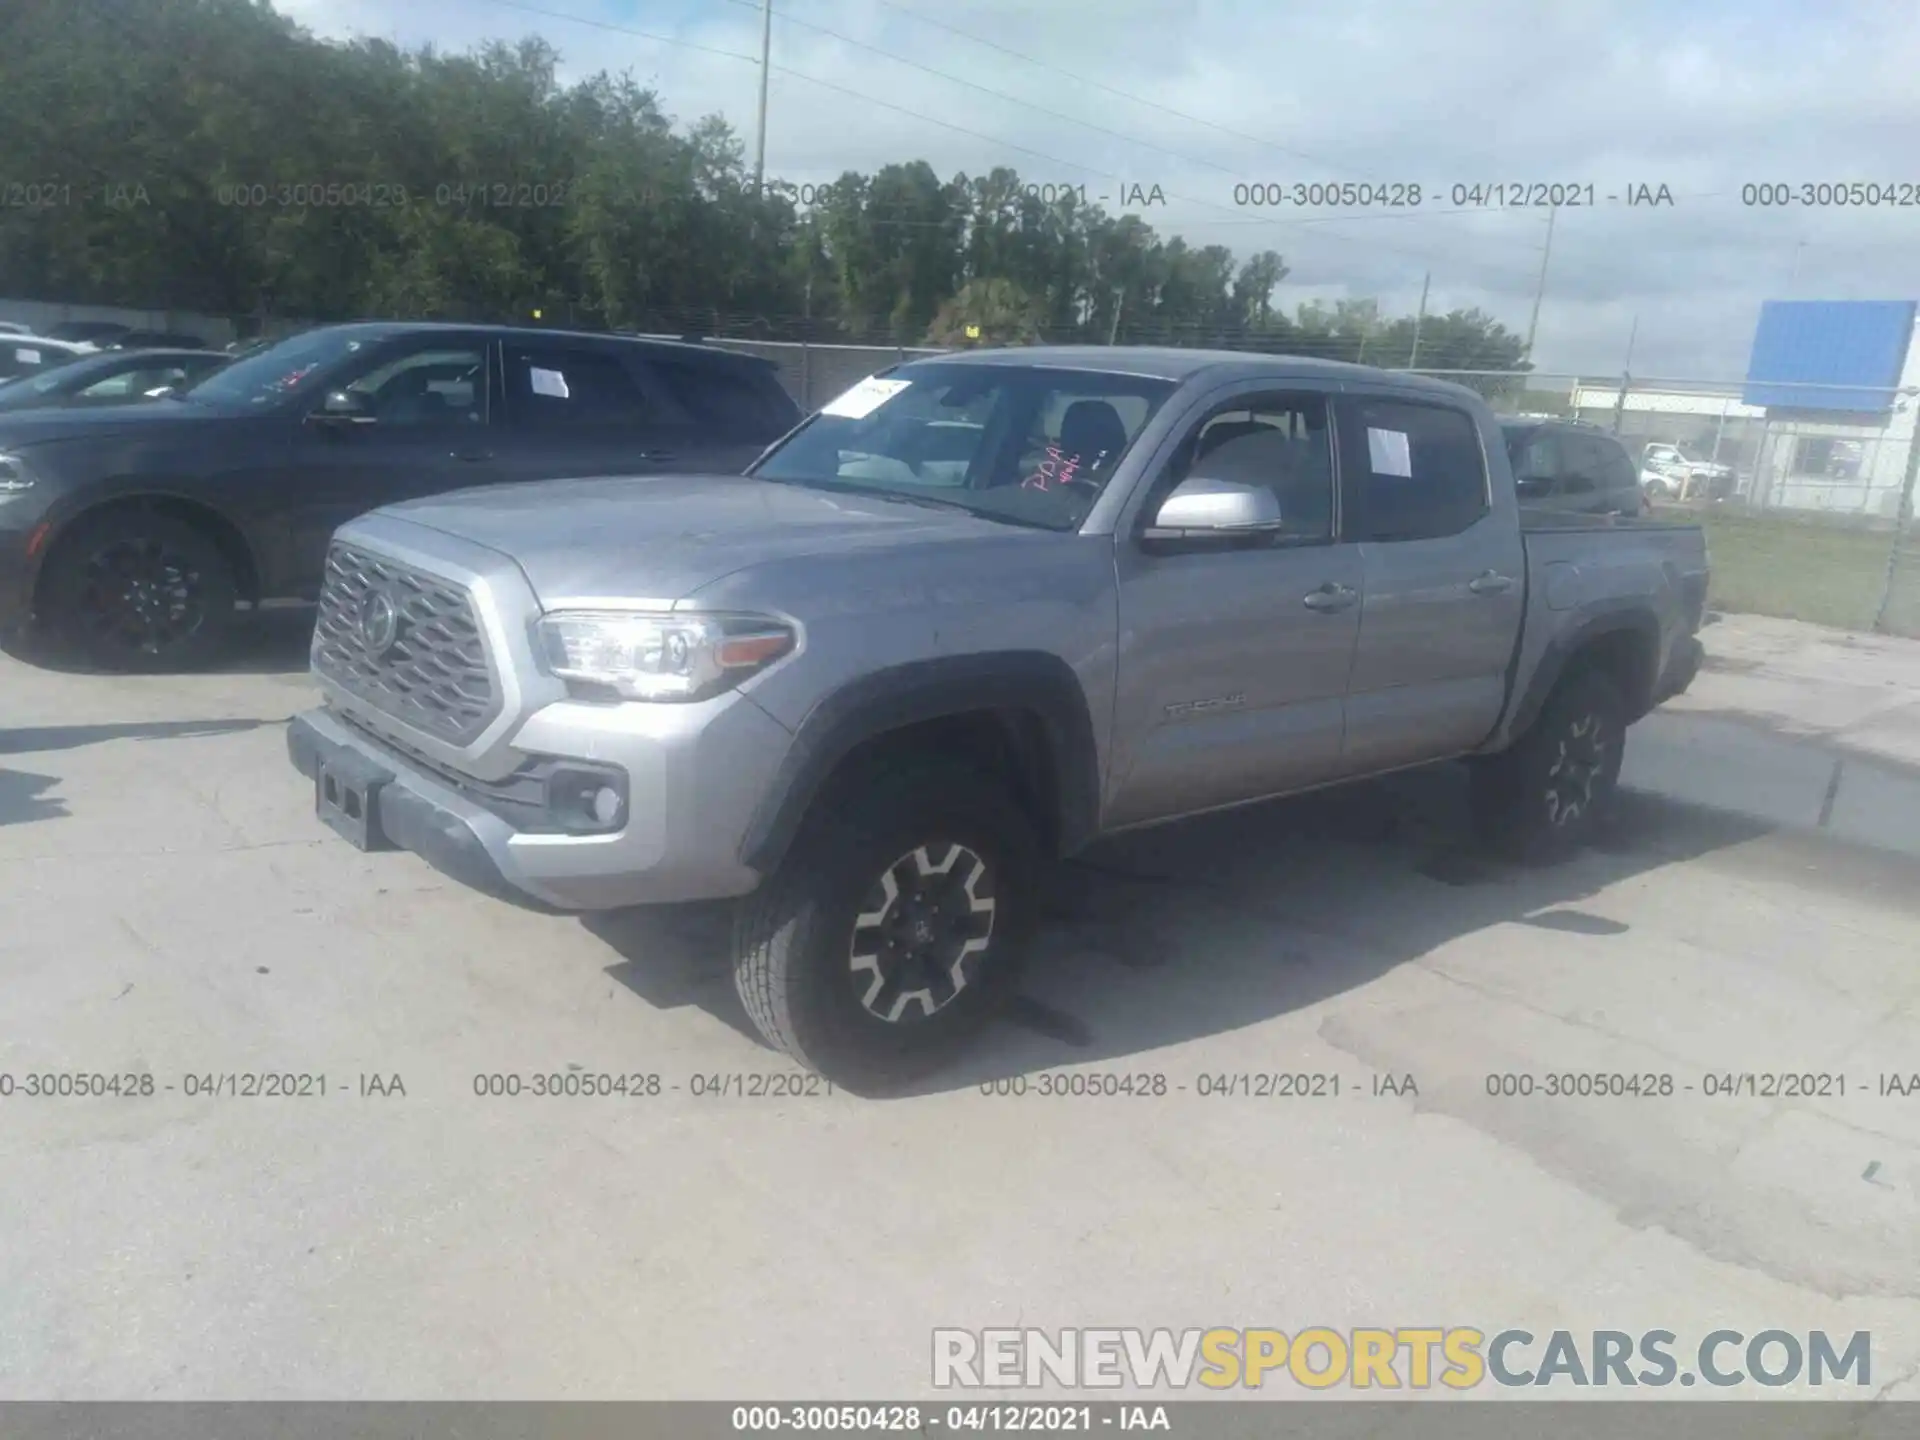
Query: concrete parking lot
<point x="171" y="909"/>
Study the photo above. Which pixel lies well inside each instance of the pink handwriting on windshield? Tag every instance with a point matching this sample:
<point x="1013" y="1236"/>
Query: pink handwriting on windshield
<point x="1055" y="467"/>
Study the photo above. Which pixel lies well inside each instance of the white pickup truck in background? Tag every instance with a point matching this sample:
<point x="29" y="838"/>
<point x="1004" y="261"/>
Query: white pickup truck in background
<point x="1667" y="472"/>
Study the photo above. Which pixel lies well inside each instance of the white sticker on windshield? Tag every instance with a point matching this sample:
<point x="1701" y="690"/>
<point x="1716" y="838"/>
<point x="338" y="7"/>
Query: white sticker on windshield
<point x="1389" y="453"/>
<point x="548" y="382"/>
<point x="865" y="398"/>
<point x="30" y="357"/>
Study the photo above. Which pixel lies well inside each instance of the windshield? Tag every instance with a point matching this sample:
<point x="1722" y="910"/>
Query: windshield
<point x="293" y="366"/>
<point x="1025" y="444"/>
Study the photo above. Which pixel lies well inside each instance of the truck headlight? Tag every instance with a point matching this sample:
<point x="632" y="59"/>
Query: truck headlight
<point x="633" y="655"/>
<point x="13" y="475"/>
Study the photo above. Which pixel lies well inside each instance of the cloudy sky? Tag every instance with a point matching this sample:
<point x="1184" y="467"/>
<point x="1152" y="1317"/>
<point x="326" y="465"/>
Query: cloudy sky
<point x="1200" y="96"/>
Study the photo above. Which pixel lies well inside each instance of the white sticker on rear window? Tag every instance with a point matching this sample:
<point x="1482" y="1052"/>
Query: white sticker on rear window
<point x="548" y="382"/>
<point x="1389" y="453"/>
<point x="865" y="398"/>
<point x="30" y="357"/>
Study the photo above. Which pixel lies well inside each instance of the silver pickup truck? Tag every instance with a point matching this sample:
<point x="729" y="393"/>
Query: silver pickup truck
<point x="972" y="616"/>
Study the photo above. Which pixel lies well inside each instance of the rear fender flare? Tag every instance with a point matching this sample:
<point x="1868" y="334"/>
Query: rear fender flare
<point x="1628" y="618"/>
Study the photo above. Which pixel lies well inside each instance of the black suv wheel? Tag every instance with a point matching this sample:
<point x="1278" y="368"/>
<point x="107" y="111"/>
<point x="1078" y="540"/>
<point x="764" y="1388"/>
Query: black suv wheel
<point x="895" y="928"/>
<point x="137" y="591"/>
<point x="1543" y="798"/>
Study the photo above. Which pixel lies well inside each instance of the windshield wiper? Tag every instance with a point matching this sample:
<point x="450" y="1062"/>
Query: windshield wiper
<point x="934" y="502"/>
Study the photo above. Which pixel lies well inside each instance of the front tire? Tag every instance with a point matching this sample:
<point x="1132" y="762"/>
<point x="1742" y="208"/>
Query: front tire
<point x="135" y="591"/>
<point x="895" y="929"/>
<point x="1544" y="798"/>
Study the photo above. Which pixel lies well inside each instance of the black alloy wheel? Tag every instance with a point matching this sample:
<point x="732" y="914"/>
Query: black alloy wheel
<point x="895" y="929"/>
<point x="1580" y="759"/>
<point x="141" y="592"/>
<point x="1547" y="794"/>
<point x="920" y="929"/>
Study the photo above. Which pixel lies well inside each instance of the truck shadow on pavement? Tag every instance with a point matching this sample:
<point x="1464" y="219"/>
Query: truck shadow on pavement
<point x="23" y="796"/>
<point x="1220" y="923"/>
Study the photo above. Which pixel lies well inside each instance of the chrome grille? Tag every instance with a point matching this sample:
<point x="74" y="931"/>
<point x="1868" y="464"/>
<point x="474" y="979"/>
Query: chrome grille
<point x="433" y="674"/>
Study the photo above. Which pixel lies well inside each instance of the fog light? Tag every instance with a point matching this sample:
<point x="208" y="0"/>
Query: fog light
<point x="584" y="801"/>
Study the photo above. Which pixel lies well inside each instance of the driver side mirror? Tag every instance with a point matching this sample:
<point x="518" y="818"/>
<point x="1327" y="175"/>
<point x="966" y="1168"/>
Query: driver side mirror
<point x="1208" y="512"/>
<point x="345" y="407"/>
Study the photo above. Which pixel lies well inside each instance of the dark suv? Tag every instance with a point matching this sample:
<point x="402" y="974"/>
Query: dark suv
<point x="1565" y="465"/>
<point x="136" y="532"/>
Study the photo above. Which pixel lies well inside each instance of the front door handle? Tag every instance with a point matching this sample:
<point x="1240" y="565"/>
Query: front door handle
<point x="472" y="456"/>
<point x="1330" y="597"/>
<point x="1490" y="583"/>
<point x="658" y="457"/>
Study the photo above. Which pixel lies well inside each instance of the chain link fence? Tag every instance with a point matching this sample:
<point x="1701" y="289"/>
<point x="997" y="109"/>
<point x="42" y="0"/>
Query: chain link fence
<point x="1809" y="513"/>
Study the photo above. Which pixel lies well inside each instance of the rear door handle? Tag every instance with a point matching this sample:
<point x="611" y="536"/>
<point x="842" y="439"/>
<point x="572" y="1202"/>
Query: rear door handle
<point x="472" y="456"/>
<point x="1491" y="583"/>
<point x="659" y="457"/>
<point x="1330" y="597"/>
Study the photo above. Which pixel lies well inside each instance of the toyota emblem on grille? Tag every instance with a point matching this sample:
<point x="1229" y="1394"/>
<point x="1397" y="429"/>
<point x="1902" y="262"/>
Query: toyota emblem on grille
<point x="379" y="622"/>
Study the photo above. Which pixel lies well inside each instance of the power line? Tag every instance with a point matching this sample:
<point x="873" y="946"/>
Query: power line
<point x="1337" y="167"/>
<point x="841" y="89"/>
<point x="987" y="89"/>
<point x="1237" y="218"/>
<point x="1110" y="89"/>
<point x="888" y="105"/>
<point x="624" y="30"/>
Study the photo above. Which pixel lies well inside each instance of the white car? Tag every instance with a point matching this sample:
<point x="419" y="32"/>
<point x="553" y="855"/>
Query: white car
<point x="1668" y="473"/>
<point x="30" y="354"/>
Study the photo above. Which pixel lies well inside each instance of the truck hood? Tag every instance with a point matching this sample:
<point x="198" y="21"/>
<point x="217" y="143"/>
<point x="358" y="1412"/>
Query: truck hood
<point x="661" y="538"/>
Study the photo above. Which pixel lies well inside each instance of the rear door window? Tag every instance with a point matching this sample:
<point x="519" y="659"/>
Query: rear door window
<point x="1535" y="455"/>
<point x="727" y="403"/>
<point x="1582" y="480"/>
<point x="1415" y="470"/>
<point x="560" y="387"/>
<point x="1618" y="476"/>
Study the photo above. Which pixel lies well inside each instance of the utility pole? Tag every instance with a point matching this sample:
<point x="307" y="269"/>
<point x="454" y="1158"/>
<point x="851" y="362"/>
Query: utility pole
<point x="1633" y="332"/>
<point x="1413" y="360"/>
<point x="766" y="53"/>
<point x="1119" y="301"/>
<point x="1902" y="521"/>
<point x="1540" y="285"/>
<point x="1793" y="275"/>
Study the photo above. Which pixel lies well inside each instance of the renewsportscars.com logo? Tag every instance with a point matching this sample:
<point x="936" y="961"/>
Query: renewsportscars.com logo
<point x="1451" y="1358"/>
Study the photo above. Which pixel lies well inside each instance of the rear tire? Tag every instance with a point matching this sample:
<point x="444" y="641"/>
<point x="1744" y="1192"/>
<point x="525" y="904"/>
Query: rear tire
<point x="895" y="929"/>
<point x="1543" y="798"/>
<point x="136" y="591"/>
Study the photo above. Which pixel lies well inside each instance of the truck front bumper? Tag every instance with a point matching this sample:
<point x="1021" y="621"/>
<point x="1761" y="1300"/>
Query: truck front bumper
<point x="691" y="784"/>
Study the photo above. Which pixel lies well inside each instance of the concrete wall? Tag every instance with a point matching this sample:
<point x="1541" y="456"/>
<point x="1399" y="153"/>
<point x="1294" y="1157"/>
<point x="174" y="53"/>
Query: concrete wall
<point x="814" y="374"/>
<point x="43" y="314"/>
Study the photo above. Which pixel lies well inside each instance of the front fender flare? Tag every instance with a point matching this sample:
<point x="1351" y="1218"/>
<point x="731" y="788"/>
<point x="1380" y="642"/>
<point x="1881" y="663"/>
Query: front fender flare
<point x="1028" y="681"/>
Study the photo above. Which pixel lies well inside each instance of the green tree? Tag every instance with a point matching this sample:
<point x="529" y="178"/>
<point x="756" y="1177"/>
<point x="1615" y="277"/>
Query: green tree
<point x="211" y="155"/>
<point x="988" y="312"/>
